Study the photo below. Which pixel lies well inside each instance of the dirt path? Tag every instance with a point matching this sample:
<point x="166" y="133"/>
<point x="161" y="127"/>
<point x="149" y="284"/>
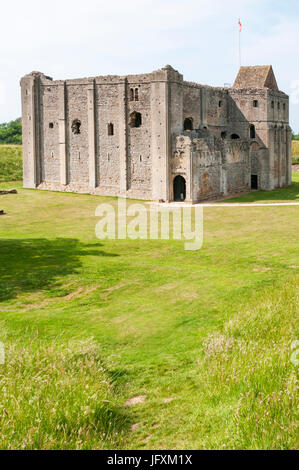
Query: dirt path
<point x="233" y="204"/>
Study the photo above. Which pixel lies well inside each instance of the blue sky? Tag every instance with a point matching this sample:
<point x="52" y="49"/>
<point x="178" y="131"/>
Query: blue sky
<point x="77" y="38"/>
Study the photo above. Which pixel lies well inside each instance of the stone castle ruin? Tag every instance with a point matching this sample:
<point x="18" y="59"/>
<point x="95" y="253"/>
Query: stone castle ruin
<point x="155" y="136"/>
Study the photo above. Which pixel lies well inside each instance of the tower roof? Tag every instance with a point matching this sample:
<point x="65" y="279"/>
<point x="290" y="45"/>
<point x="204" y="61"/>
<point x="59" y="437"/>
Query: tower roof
<point x="257" y="76"/>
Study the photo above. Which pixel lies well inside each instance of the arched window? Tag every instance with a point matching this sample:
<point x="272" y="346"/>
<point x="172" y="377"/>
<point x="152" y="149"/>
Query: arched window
<point x="110" y="129"/>
<point x="135" y="119"/>
<point x="188" y="124"/>
<point x="76" y="124"/>
<point x="51" y="125"/>
<point x="136" y="94"/>
<point x="235" y="136"/>
<point x="252" y="131"/>
<point x="220" y="104"/>
<point x="254" y="147"/>
<point x="131" y="94"/>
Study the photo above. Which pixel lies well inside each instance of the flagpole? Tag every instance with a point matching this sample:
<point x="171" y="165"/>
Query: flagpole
<point x="239" y="43"/>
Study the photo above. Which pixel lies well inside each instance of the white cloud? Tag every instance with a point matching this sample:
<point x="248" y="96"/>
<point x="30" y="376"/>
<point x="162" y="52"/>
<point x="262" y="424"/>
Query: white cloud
<point x="69" y="38"/>
<point x="73" y="22"/>
<point x="279" y="47"/>
<point x="2" y="94"/>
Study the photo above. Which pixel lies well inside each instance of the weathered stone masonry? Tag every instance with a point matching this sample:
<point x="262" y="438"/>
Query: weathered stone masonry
<point x="156" y="136"/>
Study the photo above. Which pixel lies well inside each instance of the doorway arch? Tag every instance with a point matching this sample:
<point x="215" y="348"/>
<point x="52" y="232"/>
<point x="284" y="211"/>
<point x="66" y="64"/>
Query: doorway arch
<point x="179" y="188"/>
<point x="188" y="124"/>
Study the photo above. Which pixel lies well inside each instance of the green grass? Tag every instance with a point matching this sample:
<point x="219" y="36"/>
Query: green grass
<point x="288" y="194"/>
<point x="205" y="336"/>
<point x="11" y="163"/>
<point x="295" y="149"/>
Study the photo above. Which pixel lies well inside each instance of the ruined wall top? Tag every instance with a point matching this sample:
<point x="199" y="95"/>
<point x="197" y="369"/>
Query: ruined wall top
<point x="166" y="73"/>
<point x="258" y="77"/>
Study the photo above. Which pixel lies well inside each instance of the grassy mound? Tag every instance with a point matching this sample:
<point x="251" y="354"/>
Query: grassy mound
<point x="56" y="397"/>
<point x="11" y="163"/>
<point x="247" y="366"/>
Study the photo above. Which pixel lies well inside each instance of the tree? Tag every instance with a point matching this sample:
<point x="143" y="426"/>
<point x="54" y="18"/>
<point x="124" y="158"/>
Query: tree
<point x="11" y="132"/>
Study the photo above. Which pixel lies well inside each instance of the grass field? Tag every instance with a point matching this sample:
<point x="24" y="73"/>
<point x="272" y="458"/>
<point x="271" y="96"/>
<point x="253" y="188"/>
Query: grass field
<point x="201" y="340"/>
<point x="10" y="163"/>
<point x="295" y="151"/>
<point x="295" y="148"/>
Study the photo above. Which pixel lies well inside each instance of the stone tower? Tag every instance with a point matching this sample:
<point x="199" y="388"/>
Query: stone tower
<point x="260" y="103"/>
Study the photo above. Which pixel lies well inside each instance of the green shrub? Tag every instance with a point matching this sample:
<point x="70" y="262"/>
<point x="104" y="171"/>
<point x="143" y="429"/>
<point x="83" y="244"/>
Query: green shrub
<point x="11" y="132"/>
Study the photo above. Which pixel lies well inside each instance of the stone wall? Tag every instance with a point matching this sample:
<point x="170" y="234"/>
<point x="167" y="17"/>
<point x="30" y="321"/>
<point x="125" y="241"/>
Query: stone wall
<point x="211" y="167"/>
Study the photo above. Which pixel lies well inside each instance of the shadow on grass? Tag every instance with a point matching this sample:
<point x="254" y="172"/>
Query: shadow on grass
<point x="290" y="193"/>
<point x="28" y="265"/>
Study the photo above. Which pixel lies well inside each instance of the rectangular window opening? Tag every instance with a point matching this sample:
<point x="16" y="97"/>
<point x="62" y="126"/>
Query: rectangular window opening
<point x="254" y="181"/>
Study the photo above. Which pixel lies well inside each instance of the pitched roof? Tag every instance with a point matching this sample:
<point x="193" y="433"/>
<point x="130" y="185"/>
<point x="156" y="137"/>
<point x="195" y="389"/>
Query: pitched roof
<point x="258" y="76"/>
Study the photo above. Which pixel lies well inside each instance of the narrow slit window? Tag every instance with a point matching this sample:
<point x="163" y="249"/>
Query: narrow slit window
<point x="131" y="94"/>
<point x="110" y="129"/>
<point x="252" y="131"/>
<point x="136" y="94"/>
<point x="255" y="103"/>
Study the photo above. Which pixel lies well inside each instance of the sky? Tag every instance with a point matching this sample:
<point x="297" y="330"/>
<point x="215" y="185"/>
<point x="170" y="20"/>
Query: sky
<point x="81" y="38"/>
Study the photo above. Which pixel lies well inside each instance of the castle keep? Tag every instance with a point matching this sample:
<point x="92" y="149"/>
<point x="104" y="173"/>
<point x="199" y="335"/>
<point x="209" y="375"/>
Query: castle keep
<point x="155" y="136"/>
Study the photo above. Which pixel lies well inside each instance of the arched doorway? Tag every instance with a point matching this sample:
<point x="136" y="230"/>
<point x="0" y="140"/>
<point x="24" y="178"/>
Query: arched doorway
<point x="188" y="124"/>
<point x="179" y="188"/>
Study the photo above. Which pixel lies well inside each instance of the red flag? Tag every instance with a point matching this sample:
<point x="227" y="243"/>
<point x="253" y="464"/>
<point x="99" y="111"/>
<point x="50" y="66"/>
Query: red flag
<point x="240" y="26"/>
